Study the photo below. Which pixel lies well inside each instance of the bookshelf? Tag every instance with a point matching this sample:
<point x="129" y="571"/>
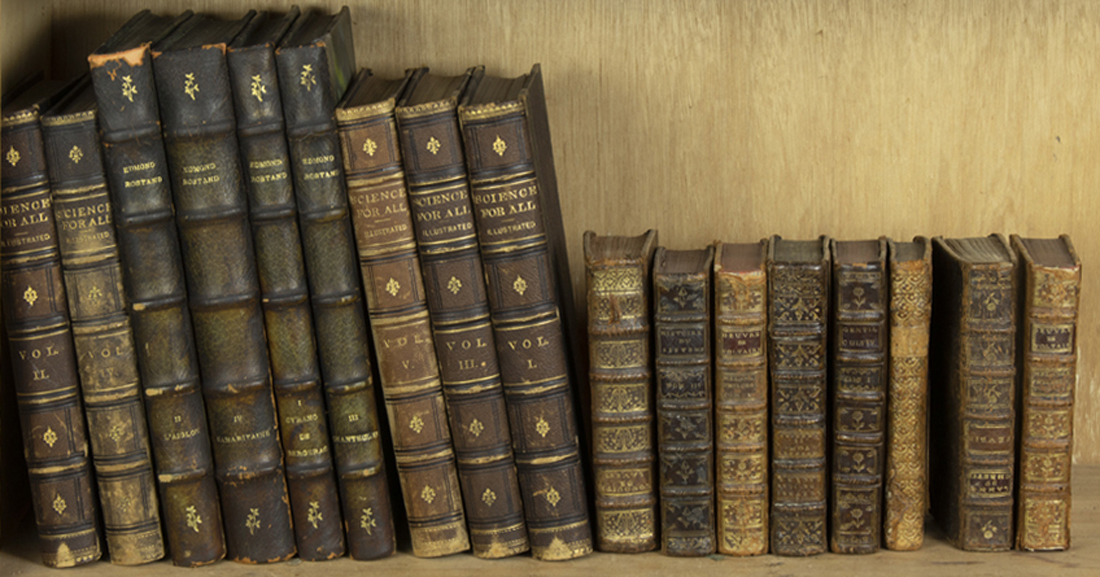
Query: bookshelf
<point x="709" y="119"/>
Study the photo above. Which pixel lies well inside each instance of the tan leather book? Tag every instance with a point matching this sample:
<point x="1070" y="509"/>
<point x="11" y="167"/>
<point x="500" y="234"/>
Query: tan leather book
<point x="621" y="381"/>
<point x="1050" y="284"/>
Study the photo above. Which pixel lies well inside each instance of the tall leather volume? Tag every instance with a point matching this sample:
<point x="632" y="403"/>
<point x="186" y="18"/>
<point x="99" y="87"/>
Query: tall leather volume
<point x="36" y="318"/>
<point x="741" y="397"/>
<point x="439" y="198"/>
<point x="141" y="205"/>
<point x="510" y="162"/>
<point x="906" y="484"/>
<point x="399" y="317"/>
<point x="798" y="312"/>
<point x="315" y="61"/>
<point x="1050" y="284"/>
<point x="860" y="340"/>
<point x="619" y="289"/>
<point x="971" y="393"/>
<point x="103" y="339"/>
<point x="685" y="401"/>
<point x="284" y="294"/>
<point x="192" y="80"/>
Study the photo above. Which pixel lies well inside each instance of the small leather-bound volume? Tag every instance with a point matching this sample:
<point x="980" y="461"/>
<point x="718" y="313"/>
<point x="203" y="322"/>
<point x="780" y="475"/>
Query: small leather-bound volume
<point x="798" y="312"/>
<point x="439" y="198"/>
<point x="858" y="367"/>
<point x="741" y="397"/>
<point x="296" y="376"/>
<point x="36" y="318"/>
<point x="315" y="61"/>
<point x="512" y="184"/>
<point x="153" y="278"/>
<point x="906" y="491"/>
<point x="972" y="390"/>
<point x="103" y="339"/>
<point x="211" y="204"/>
<point x="617" y="270"/>
<point x="399" y="318"/>
<point x="1050" y="283"/>
<point x="685" y="399"/>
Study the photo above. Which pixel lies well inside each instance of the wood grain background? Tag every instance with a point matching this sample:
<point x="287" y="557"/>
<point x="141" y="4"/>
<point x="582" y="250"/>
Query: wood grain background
<point x="735" y="120"/>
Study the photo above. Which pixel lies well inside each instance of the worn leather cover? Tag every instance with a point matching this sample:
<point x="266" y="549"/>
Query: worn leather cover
<point x="103" y="339"/>
<point x="617" y="271"/>
<point x="314" y="62"/>
<point x="192" y="80"/>
<point x="741" y="397"/>
<point x="510" y="162"/>
<point x="1050" y="284"/>
<point x="906" y="490"/>
<point x="685" y="399"/>
<point x="972" y="390"/>
<point x="798" y="312"/>
<point x="43" y="360"/>
<point x="439" y="198"/>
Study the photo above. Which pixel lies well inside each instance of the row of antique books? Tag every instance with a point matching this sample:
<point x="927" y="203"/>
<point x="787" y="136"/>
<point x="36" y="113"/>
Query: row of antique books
<point x="791" y="387"/>
<point x="205" y="242"/>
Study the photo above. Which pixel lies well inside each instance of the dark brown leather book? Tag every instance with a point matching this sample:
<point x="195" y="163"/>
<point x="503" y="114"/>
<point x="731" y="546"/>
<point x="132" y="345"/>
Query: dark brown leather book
<point x="741" y="397"/>
<point x="36" y="318"/>
<point x="906" y="492"/>
<point x="798" y="311"/>
<point x="208" y="192"/>
<point x="1050" y="283"/>
<point x="858" y="369"/>
<point x="284" y="294"/>
<point x="685" y="401"/>
<point x="141" y="204"/>
<point x="103" y="339"/>
<point x="398" y="313"/>
<point x="617" y="271"/>
<point x="439" y="197"/>
<point x="315" y="61"/>
<point x="512" y="184"/>
<point x="971" y="391"/>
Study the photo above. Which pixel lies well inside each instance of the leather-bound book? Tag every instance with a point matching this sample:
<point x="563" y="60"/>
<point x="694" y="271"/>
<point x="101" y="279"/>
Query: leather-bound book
<point x="399" y="319"/>
<point x="141" y="205"/>
<point x="1050" y="282"/>
<point x="36" y="318"/>
<point x="741" y="397"/>
<point x="798" y="312"/>
<point x="211" y="205"/>
<point x="296" y="376"/>
<point x="103" y="339"/>
<point x="971" y="393"/>
<point x="315" y="61"/>
<point x="439" y="198"/>
<point x="617" y="272"/>
<point x="685" y="401"/>
<point x="510" y="161"/>
<point x="906" y="490"/>
<point x="859" y="378"/>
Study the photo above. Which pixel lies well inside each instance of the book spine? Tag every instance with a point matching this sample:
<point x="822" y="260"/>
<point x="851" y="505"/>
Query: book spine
<point x="741" y="411"/>
<point x="621" y="381"/>
<point x="860" y="340"/>
<point x="299" y="396"/>
<point x="685" y="404"/>
<point x="527" y="324"/>
<point x="402" y="333"/>
<point x="43" y="363"/>
<point x="906" y="480"/>
<point x="439" y="197"/>
<point x="797" y="340"/>
<point x="103" y="341"/>
<point x="216" y="245"/>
